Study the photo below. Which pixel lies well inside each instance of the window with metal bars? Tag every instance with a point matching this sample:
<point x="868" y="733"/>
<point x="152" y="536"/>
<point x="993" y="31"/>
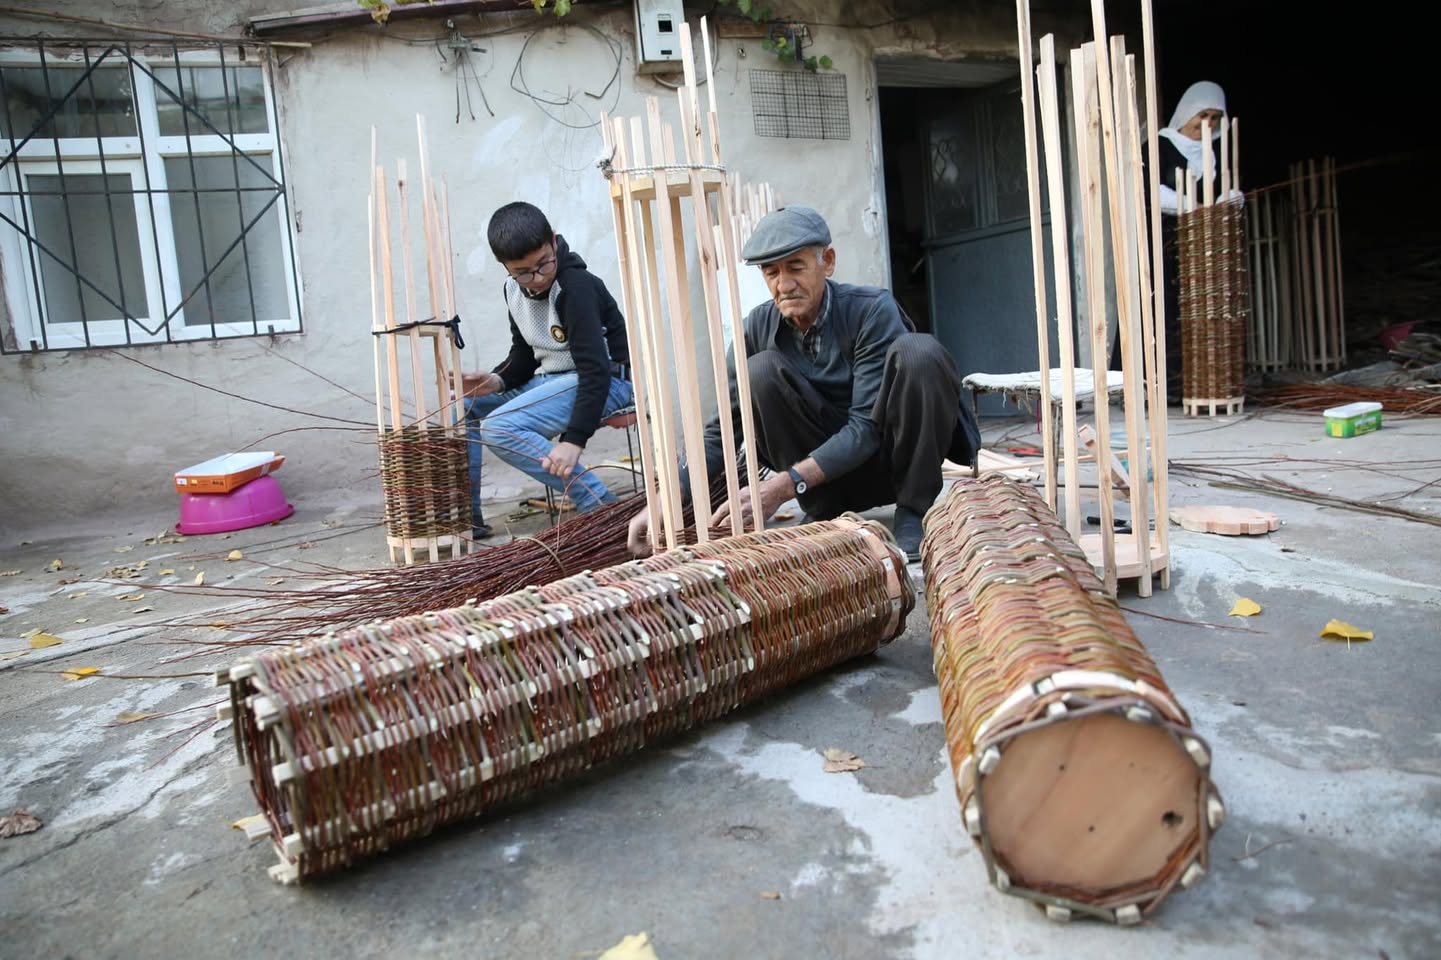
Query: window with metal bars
<point x="142" y="197"/>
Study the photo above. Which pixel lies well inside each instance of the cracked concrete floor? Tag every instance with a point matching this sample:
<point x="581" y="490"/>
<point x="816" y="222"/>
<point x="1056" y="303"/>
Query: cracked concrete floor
<point x="1329" y="757"/>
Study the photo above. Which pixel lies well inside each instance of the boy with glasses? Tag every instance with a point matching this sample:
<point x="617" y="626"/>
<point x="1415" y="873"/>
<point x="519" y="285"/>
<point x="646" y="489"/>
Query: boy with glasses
<point x="567" y="369"/>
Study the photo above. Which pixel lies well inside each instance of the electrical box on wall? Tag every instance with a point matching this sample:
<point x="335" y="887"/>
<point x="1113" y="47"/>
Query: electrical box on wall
<point x="657" y="35"/>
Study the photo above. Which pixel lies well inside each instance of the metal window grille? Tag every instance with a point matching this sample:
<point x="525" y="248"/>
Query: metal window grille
<point x="142" y="198"/>
<point x="800" y="104"/>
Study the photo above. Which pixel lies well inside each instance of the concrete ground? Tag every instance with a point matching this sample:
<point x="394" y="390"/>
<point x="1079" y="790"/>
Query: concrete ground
<point x="1328" y="755"/>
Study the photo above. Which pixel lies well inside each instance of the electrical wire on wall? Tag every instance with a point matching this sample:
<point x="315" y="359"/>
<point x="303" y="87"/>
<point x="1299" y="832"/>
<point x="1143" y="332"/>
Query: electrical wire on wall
<point x="571" y="140"/>
<point x="461" y="48"/>
<point x="545" y="103"/>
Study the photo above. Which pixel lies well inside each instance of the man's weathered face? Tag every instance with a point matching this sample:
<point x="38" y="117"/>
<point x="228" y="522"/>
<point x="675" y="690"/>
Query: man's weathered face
<point x="798" y="283"/>
<point x="536" y="270"/>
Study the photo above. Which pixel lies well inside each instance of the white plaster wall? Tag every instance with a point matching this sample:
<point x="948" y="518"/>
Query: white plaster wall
<point x="84" y="431"/>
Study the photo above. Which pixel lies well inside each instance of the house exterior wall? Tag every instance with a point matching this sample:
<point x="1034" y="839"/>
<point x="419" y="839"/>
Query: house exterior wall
<point x="84" y="430"/>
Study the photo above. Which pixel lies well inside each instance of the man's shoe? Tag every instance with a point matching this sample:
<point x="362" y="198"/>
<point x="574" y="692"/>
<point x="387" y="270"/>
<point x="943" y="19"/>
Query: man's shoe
<point x="480" y="531"/>
<point x="908" y="530"/>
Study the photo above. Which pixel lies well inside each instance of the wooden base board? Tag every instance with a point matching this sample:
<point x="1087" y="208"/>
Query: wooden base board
<point x="1212" y="407"/>
<point x="1128" y="558"/>
<point x="1092" y="805"/>
<point x="413" y="550"/>
<point x="1228" y="521"/>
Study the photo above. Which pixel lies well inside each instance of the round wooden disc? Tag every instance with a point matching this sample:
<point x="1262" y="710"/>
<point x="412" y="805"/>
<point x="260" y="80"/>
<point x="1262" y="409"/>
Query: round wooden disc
<point x="1230" y="521"/>
<point x="1091" y="805"/>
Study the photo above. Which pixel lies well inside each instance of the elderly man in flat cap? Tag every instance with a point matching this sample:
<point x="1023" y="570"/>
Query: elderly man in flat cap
<point x="852" y="408"/>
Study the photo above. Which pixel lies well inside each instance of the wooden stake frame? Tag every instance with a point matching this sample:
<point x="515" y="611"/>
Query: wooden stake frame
<point x="655" y="190"/>
<point x="1107" y="154"/>
<point x="432" y="408"/>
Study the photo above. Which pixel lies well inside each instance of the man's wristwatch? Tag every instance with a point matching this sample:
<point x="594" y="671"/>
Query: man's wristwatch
<point x="798" y="480"/>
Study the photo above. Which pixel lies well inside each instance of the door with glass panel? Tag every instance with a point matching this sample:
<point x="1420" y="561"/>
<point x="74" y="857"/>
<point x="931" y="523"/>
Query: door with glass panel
<point x="978" y="232"/>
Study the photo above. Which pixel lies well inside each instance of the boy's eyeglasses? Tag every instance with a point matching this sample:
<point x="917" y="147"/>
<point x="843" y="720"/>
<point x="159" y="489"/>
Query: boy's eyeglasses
<point x="540" y="270"/>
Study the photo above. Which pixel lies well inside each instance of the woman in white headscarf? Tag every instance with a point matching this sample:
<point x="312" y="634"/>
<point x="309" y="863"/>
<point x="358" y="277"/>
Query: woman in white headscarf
<point x="1181" y="148"/>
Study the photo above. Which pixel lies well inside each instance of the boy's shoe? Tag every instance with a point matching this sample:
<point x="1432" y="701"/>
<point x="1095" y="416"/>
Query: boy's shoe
<point x="908" y="530"/>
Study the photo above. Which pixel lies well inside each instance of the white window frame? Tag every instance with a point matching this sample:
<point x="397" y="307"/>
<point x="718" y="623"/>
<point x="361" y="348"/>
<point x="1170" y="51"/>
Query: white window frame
<point x="143" y="158"/>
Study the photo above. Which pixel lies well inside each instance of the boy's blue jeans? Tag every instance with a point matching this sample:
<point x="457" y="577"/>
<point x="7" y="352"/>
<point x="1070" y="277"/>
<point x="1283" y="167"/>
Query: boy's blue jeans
<point x="518" y="426"/>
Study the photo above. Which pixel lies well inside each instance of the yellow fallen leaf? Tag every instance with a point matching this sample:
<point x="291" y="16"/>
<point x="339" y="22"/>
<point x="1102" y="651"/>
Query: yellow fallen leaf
<point x="200" y="579"/>
<point x="841" y="761"/>
<point x="142" y="609"/>
<point x="131" y="597"/>
<point x="57" y="564"/>
<point x="1341" y="630"/>
<point x="142" y="565"/>
<point x="634" y="947"/>
<point x="40" y="640"/>
<point x="770" y="895"/>
<point x="167" y="571"/>
<point x="9" y="573"/>
<point x="82" y="619"/>
<point x="130" y="716"/>
<point x="1245" y="607"/>
<point x="235" y="555"/>
<point x="123" y="549"/>
<point x="253" y="826"/>
<point x="77" y="673"/>
<point x="78" y="594"/>
<point x="219" y="625"/>
<point x="275" y="581"/>
<point x="14" y="654"/>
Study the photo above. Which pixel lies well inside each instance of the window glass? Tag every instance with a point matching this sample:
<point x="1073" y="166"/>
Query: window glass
<point x="209" y="211"/>
<point x="59" y="100"/>
<point x="89" y="225"/>
<point x="228" y="101"/>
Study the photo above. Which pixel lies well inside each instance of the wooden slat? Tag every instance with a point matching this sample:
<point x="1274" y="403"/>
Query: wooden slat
<point x="664" y="396"/>
<point x="1088" y="127"/>
<point x="677" y="183"/>
<point x="1151" y="342"/>
<point x="672" y="253"/>
<point x="1038" y="262"/>
<point x="392" y="359"/>
<point x="634" y="301"/>
<point x="374" y="293"/>
<point x="1061" y="268"/>
<point x="422" y="412"/>
<point x="706" y="253"/>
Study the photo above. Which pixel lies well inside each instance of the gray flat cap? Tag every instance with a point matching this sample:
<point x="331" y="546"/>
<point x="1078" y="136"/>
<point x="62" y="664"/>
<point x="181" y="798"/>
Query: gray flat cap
<point x="784" y="231"/>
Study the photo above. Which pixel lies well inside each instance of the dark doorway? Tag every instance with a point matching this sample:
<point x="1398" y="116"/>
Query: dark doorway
<point x="958" y="212"/>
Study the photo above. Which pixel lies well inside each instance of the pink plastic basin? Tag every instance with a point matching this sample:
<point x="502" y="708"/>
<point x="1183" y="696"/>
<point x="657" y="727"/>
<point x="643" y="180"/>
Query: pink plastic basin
<point x="258" y="502"/>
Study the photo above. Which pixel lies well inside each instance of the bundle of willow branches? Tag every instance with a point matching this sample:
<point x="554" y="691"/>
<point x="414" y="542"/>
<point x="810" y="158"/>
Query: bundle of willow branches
<point x="340" y="599"/>
<point x="1417" y="401"/>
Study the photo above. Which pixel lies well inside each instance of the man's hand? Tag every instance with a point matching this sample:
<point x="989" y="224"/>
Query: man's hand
<point x="775" y="490"/>
<point x="481" y="384"/>
<point x="637" y="538"/>
<point x="561" y="460"/>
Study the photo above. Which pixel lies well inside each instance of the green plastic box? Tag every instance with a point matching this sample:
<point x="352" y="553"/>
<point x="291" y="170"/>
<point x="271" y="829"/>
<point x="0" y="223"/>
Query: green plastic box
<point x="1353" y="419"/>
